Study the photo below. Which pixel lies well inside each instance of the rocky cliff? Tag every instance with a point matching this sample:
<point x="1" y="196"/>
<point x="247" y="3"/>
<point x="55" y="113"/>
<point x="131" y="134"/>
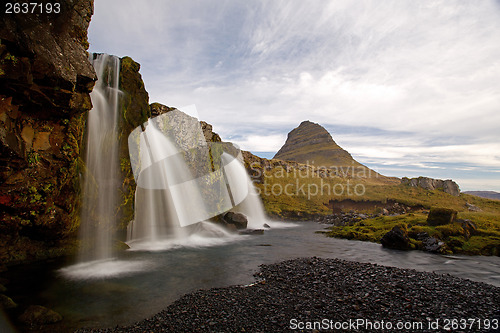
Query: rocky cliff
<point x="447" y="186"/>
<point x="45" y="81"/>
<point x="135" y="111"/>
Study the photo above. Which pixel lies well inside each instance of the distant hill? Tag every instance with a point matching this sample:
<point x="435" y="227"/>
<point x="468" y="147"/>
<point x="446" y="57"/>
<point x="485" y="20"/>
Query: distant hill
<point x="485" y="194"/>
<point x="311" y="144"/>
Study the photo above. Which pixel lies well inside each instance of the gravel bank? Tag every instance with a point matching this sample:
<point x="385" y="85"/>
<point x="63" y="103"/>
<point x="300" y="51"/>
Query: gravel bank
<point x="312" y="294"/>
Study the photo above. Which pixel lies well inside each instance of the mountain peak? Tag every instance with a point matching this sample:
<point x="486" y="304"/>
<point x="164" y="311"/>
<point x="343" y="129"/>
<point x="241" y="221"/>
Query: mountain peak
<point x="310" y="143"/>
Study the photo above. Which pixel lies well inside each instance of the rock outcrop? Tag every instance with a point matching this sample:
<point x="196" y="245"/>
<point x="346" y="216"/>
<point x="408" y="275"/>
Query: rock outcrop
<point x="441" y="216"/>
<point x="135" y="111"/>
<point x="447" y="186"/>
<point x="45" y="84"/>
<point x="239" y="220"/>
<point x="397" y="239"/>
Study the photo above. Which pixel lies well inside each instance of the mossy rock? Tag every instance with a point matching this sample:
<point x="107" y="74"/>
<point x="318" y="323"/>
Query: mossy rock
<point x="441" y="216"/>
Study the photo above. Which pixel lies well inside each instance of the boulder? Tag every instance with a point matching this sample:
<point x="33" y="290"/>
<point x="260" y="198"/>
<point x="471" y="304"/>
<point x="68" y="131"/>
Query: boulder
<point x="252" y="232"/>
<point x="37" y="315"/>
<point x="397" y="239"/>
<point x="432" y="244"/>
<point x="472" y="208"/>
<point x="441" y="216"/>
<point x="6" y="302"/>
<point x="237" y="219"/>
<point x="470" y="229"/>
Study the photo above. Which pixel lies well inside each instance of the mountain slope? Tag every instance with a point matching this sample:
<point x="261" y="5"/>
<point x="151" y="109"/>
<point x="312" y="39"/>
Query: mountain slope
<point x="311" y="144"/>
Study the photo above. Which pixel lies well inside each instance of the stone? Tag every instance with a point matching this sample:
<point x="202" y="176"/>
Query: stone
<point x="6" y="302"/>
<point x="397" y="239"/>
<point x="447" y="186"/>
<point x="441" y="216"/>
<point x="252" y="232"/>
<point x="28" y="133"/>
<point x="470" y="228"/>
<point x="472" y="208"/>
<point x="41" y="141"/>
<point x="267" y="226"/>
<point x="432" y="244"/>
<point x="39" y="315"/>
<point x="238" y="219"/>
<point x="231" y="227"/>
<point x="44" y="91"/>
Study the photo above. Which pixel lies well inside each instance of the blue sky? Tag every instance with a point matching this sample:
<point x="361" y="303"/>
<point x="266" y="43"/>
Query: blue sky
<point x="408" y="87"/>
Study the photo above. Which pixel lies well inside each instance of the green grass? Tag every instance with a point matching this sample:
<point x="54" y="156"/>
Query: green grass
<point x="486" y="241"/>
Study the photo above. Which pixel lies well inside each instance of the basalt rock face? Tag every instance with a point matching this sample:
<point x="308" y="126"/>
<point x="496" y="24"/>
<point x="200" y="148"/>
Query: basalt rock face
<point x="447" y="186"/>
<point x="135" y="110"/>
<point x="45" y="82"/>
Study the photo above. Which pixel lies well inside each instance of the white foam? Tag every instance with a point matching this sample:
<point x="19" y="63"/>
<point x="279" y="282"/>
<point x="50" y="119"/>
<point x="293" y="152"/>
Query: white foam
<point x="204" y="234"/>
<point x="100" y="269"/>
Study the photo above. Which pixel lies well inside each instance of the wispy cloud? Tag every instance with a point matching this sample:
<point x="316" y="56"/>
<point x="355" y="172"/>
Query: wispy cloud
<point x="422" y="75"/>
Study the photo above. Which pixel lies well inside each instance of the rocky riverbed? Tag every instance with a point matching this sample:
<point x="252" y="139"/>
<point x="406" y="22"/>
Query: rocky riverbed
<point x="313" y="294"/>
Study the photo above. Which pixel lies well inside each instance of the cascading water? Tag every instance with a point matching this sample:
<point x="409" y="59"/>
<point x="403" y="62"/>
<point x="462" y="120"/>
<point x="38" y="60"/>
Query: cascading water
<point x="251" y="206"/>
<point x="100" y="182"/>
<point x="179" y="188"/>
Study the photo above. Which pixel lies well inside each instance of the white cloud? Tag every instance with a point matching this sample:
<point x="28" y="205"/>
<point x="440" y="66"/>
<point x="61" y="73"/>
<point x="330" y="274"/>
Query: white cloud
<point x="428" y="69"/>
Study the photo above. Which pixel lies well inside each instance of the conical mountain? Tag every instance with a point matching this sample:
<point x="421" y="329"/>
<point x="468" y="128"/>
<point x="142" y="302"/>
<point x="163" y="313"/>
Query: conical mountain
<point x="311" y="144"/>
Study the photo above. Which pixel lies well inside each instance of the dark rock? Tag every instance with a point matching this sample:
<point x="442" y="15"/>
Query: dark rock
<point x="421" y="236"/>
<point x="230" y="227"/>
<point x="238" y="219"/>
<point x="6" y="302"/>
<point x="45" y="85"/>
<point x="267" y="226"/>
<point x="135" y="110"/>
<point x="432" y="244"/>
<point x="441" y="216"/>
<point x="39" y="315"/>
<point x="397" y="239"/>
<point x="252" y="232"/>
<point x="2" y="288"/>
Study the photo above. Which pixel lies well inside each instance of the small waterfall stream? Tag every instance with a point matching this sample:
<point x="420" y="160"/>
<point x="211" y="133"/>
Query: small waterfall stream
<point x="100" y="179"/>
<point x="181" y="184"/>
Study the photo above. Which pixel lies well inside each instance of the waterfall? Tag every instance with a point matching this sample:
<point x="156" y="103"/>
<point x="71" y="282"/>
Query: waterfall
<point x="183" y="181"/>
<point x="100" y="181"/>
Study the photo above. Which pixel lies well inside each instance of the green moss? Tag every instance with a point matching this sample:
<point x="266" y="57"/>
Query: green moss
<point x="485" y="242"/>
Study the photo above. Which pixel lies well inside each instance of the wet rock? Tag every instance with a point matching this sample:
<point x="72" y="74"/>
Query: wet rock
<point x="6" y="302"/>
<point x="441" y="216"/>
<point x="267" y="226"/>
<point x="238" y="219"/>
<point x="432" y="244"/>
<point x="252" y="232"/>
<point x="39" y="315"/>
<point x="45" y="86"/>
<point x="397" y="239"/>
